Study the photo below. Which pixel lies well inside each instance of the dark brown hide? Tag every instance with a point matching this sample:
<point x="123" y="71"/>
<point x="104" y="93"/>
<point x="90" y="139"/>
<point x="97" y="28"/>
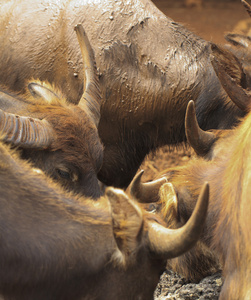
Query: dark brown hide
<point x="149" y="68"/>
<point x="57" y="246"/>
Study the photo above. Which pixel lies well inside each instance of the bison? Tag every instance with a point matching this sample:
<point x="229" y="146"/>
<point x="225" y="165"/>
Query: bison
<point x="149" y="66"/>
<point x="59" y="245"/>
<point x="59" y="137"/>
<point x="223" y="159"/>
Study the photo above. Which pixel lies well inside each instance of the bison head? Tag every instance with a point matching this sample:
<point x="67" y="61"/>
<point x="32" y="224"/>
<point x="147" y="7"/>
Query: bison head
<point x="142" y="237"/>
<point x="58" y="137"/>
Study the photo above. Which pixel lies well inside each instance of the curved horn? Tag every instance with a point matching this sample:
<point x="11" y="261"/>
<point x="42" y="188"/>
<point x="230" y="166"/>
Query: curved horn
<point x="145" y="192"/>
<point x="201" y="141"/>
<point x="25" y="132"/>
<point x="91" y="97"/>
<point x="240" y="96"/>
<point x="170" y="243"/>
<point x="247" y="6"/>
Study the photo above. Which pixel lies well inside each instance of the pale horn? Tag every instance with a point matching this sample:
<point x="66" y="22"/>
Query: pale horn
<point x="91" y="98"/>
<point x="170" y="243"/>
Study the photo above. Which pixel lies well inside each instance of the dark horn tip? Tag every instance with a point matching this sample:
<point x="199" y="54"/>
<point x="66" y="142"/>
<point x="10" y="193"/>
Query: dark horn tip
<point x="77" y="26"/>
<point x="80" y="29"/>
<point x="206" y="187"/>
<point x="137" y="177"/>
<point x="134" y="187"/>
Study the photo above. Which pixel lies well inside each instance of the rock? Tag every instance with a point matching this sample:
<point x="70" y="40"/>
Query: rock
<point x="174" y="287"/>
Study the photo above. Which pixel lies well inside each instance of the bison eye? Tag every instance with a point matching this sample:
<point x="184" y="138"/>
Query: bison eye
<point x="63" y="174"/>
<point x="152" y="208"/>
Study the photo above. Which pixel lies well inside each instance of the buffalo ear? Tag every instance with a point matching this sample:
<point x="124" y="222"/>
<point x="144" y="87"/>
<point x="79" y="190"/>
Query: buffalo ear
<point x="127" y="222"/>
<point x="39" y="91"/>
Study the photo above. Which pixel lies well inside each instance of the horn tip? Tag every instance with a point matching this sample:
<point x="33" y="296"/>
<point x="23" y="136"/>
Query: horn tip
<point x="77" y="26"/>
<point x="138" y="176"/>
<point x="141" y="172"/>
<point x="136" y="183"/>
<point x="190" y="111"/>
<point x="79" y="29"/>
<point x="205" y="194"/>
<point x="191" y="104"/>
<point x="206" y="187"/>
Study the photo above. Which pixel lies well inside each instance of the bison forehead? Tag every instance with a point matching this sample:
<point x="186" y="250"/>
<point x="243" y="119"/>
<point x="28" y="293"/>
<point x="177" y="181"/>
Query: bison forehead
<point x="75" y="134"/>
<point x="70" y="119"/>
<point x="81" y="147"/>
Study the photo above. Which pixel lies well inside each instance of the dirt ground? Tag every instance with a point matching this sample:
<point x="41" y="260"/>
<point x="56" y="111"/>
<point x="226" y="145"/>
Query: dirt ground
<point x="211" y="21"/>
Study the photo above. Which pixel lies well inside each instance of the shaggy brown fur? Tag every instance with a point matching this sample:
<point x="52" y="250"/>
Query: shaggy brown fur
<point x="75" y="155"/>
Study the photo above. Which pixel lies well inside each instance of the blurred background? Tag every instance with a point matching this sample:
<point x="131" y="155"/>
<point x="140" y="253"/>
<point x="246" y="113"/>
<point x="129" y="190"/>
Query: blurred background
<point x="210" y="19"/>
